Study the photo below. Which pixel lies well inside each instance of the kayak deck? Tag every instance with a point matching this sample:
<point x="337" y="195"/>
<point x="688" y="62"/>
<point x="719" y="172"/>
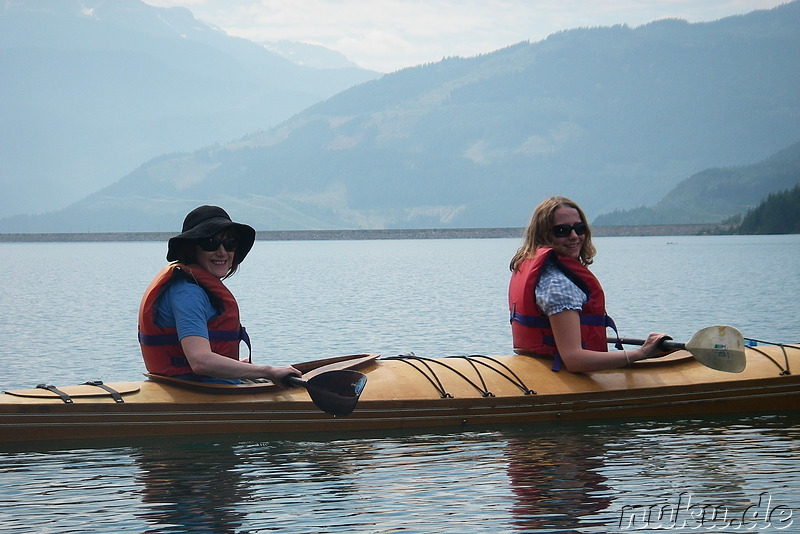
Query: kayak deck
<point x="410" y="392"/>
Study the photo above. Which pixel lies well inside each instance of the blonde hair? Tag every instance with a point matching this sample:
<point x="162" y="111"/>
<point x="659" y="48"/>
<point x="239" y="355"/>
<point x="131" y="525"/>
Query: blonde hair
<point x="539" y="232"/>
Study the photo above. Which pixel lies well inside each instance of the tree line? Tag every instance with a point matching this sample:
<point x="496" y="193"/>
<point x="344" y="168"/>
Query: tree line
<point x="779" y="213"/>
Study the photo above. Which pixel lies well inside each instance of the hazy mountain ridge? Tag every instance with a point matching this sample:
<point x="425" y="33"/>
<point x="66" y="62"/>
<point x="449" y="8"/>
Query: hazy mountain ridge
<point x="612" y="117"/>
<point x="715" y="194"/>
<point x="91" y="89"/>
<point x="309" y="55"/>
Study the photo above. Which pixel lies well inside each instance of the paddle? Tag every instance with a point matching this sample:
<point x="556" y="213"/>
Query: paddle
<point x="333" y="392"/>
<point x="717" y="347"/>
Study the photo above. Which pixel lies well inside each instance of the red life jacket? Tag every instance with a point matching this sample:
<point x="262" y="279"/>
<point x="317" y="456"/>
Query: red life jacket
<point x="530" y="328"/>
<point x="161" y="347"/>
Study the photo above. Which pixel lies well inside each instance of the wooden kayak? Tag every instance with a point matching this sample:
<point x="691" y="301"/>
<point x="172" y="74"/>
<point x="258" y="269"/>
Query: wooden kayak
<point x="408" y="392"/>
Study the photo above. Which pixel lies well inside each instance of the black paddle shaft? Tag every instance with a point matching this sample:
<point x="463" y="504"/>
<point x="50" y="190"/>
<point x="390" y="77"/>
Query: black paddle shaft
<point x="665" y="343"/>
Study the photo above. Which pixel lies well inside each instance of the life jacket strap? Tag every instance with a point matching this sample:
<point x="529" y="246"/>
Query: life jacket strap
<point x="154" y="340"/>
<point x="531" y="321"/>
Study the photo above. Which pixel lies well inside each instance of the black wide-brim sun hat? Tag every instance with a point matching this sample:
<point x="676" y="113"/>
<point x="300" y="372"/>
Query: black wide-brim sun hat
<point x="208" y="221"/>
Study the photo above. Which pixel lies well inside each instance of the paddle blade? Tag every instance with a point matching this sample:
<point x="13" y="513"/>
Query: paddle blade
<point x="719" y="347"/>
<point x="336" y="392"/>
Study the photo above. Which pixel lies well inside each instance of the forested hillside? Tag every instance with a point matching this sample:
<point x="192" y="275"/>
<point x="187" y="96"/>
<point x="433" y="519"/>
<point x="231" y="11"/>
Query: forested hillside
<point x="778" y="214"/>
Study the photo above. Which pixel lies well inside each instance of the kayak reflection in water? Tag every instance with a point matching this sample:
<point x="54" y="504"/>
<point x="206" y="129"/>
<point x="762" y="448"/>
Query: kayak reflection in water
<point x="557" y="479"/>
<point x="188" y="320"/>
<point x="190" y="487"/>
<point x="557" y="305"/>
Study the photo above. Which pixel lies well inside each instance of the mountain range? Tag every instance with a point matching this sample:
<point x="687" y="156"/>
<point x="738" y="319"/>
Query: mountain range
<point x="93" y="88"/>
<point x="613" y="117"/>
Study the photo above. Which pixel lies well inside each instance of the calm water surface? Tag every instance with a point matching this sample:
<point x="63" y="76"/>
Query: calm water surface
<point x="70" y="316"/>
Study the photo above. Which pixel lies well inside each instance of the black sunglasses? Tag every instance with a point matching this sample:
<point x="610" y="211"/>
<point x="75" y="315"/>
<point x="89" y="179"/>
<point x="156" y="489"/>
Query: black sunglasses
<point x="211" y="244"/>
<point x="563" y="230"/>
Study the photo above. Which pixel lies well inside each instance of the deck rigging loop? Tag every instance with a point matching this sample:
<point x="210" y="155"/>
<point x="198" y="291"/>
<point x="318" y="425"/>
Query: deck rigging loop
<point x="423" y="365"/>
<point x="64" y="397"/>
<point x="111" y="391"/>
<point x="751" y="343"/>
<point x="431" y="375"/>
<point x="514" y="378"/>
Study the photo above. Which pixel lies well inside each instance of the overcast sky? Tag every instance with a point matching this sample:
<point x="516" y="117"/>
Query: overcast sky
<point x="387" y="35"/>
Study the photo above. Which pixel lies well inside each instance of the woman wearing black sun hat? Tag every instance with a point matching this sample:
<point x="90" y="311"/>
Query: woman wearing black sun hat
<point x="188" y="320"/>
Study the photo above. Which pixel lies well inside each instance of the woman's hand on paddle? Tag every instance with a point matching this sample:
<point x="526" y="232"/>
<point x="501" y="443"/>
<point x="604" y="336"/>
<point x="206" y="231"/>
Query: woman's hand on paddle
<point x="652" y="346"/>
<point x="279" y="373"/>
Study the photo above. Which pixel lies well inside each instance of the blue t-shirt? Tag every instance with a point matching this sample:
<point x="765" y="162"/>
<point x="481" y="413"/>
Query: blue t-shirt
<point x="185" y="306"/>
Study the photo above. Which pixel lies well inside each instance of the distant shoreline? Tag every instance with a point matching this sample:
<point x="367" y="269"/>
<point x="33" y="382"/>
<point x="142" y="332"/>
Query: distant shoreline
<point x="333" y="235"/>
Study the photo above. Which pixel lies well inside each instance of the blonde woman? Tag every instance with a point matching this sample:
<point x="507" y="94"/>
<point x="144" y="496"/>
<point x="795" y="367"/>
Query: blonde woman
<point x="557" y="305"/>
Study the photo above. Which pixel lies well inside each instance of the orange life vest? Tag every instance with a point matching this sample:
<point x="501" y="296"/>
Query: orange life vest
<point x="161" y="347"/>
<point x="530" y="328"/>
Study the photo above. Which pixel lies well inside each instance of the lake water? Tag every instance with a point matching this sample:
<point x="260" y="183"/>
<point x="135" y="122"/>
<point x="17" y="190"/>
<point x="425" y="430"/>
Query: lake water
<point x="69" y="315"/>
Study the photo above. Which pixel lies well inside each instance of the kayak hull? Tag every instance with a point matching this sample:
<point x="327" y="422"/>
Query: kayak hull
<point x="410" y="393"/>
